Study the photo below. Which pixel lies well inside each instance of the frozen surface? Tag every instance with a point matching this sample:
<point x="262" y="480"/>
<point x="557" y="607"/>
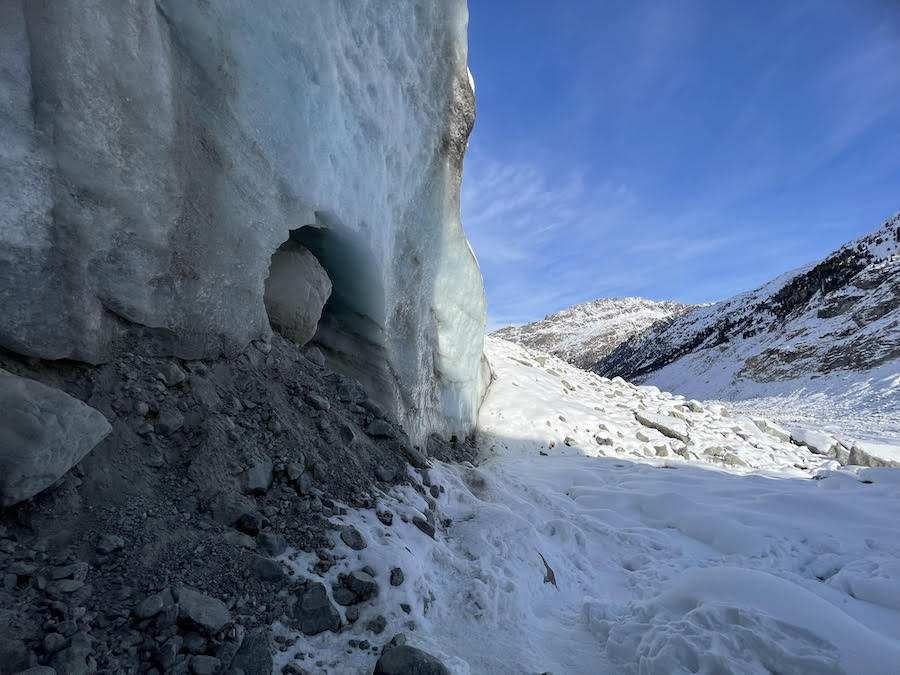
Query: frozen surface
<point x="662" y="565"/>
<point x="153" y="161"/>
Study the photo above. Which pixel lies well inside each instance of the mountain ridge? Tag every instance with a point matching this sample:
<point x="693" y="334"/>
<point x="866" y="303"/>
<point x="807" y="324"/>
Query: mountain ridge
<point x="585" y="333"/>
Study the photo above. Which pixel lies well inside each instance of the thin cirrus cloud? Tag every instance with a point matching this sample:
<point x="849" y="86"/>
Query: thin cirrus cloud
<point x="687" y="150"/>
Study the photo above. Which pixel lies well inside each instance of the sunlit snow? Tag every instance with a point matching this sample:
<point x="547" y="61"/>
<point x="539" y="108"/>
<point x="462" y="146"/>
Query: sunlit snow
<point x="737" y="552"/>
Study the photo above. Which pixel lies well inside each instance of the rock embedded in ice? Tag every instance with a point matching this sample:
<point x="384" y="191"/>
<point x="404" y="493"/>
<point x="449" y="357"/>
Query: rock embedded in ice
<point x="43" y="433"/>
<point x="155" y="163"/>
<point x="296" y="292"/>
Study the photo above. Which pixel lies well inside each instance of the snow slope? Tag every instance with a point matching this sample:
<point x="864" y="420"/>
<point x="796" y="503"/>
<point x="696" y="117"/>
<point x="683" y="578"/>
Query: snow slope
<point x="586" y="333"/>
<point x="817" y="345"/>
<point x="688" y="563"/>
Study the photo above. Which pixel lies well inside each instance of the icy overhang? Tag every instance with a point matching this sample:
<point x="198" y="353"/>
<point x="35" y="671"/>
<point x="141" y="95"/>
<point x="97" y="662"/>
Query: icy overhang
<point x="153" y="162"/>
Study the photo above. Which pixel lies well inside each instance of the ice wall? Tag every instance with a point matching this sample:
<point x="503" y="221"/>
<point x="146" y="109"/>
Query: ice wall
<point x="154" y="156"/>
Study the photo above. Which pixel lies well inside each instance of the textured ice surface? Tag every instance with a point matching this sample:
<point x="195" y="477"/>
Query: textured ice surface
<point x="155" y="154"/>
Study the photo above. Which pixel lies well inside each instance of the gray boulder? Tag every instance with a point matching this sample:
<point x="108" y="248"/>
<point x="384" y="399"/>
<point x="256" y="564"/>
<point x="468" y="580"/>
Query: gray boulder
<point x="43" y="433"/>
<point x="405" y="660"/>
<point x="255" y="655"/>
<point x="202" y="612"/>
<point x="313" y="612"/>
<point x="258" y="478"/>
<point x="664" y="424"/>
<point x="296" y="291"/>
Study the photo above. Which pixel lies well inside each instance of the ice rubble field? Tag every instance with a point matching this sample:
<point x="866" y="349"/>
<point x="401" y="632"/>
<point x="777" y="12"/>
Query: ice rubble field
<point x="663" y="564"/>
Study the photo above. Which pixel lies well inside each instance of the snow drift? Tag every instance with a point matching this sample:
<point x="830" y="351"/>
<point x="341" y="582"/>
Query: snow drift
<point x="154" y="155"/>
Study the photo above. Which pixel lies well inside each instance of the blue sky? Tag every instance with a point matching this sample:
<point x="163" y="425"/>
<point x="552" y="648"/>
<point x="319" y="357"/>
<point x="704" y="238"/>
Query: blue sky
<point x="682" y="149"/>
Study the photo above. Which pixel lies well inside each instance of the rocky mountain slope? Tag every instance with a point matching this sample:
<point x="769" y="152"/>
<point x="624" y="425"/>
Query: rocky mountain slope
<point x="585" y="334"/>
<point x="829" y="328"/>
<point x="836" y="314"/>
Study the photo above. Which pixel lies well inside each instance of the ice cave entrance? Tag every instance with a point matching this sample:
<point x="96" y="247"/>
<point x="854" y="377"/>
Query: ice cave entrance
<point x="325" y="288"/>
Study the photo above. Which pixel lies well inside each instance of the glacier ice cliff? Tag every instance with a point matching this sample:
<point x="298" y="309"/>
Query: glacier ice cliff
<point x="155" y="154"/>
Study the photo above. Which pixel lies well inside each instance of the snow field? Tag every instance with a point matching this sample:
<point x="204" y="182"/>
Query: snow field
<point x="661" y="564"/>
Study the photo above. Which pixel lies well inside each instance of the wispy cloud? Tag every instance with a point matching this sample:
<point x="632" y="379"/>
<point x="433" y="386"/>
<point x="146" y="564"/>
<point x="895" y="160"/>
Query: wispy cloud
<point x="684" y="150"/>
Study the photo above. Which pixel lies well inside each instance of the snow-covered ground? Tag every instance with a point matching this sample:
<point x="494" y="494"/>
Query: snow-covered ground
<point x="857" y="407"/>
<point x="727" y="550"/>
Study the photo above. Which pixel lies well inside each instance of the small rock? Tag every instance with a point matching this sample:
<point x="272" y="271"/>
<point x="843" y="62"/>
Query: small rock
<point x="405" y="660"/>
<point x="424" y="525"/>
<point x="352" y="393"/>
<point x="209" y="615"/>
<point x="108" y="543"/>
<point x="271" y="544"/>
<point x="352" y="614"/>
<point x="435" y="491"/>
<point x="694" y="406"/>
<point x="362" y="584"/>
<point x="315" y="355"/>
<point x="569" y="441"/>
<point x="396" y="576"/>
<point x="352" y="537"/>
<point x="194" y="643"/>
<point x="267" y="569"/>
<point x="294" y="470"/>
<point x="313" y="613"/>
<point x="380" y="429"/>
<point x="603" y="441"/>
<point x="734" y="460"/>
<point x="67" y="628"/>
<point x="385" y="474"/>
<point x="73" y="659"/>
<point x="258" y="478"/>
<point x="155" y="460"/>
<point x="343" y="595"/>
<point x="249" y="523"/>
<point x="53" y="642"/>
<point x="169" y="421"/>
<point x="255" y="655"/>
<point x="205" y="665"/>
<point x="172" y="374"/>
<point x="141" y="408"/>
<point x="377" y="625"/>
<point x="22" y="569"/>
<point x="166" y="654"/>
<point x="149" y="606"/>
<point x="318" y="402"/>
<point x="239" y="539"/>
<point x="304" y="483"/>
<point x="75" y="571"/>
<point x="386" y="517"/>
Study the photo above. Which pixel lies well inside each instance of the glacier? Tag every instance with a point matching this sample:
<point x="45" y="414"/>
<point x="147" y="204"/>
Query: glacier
<point x="154" y="156"/>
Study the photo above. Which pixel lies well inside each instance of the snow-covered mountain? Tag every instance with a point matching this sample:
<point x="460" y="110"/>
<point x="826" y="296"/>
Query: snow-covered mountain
<point x="819" y="343"/>
<point x="585" y="334"/>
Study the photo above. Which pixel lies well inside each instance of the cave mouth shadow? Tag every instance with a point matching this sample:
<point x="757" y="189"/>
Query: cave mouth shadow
<point x="347" y="323"/>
